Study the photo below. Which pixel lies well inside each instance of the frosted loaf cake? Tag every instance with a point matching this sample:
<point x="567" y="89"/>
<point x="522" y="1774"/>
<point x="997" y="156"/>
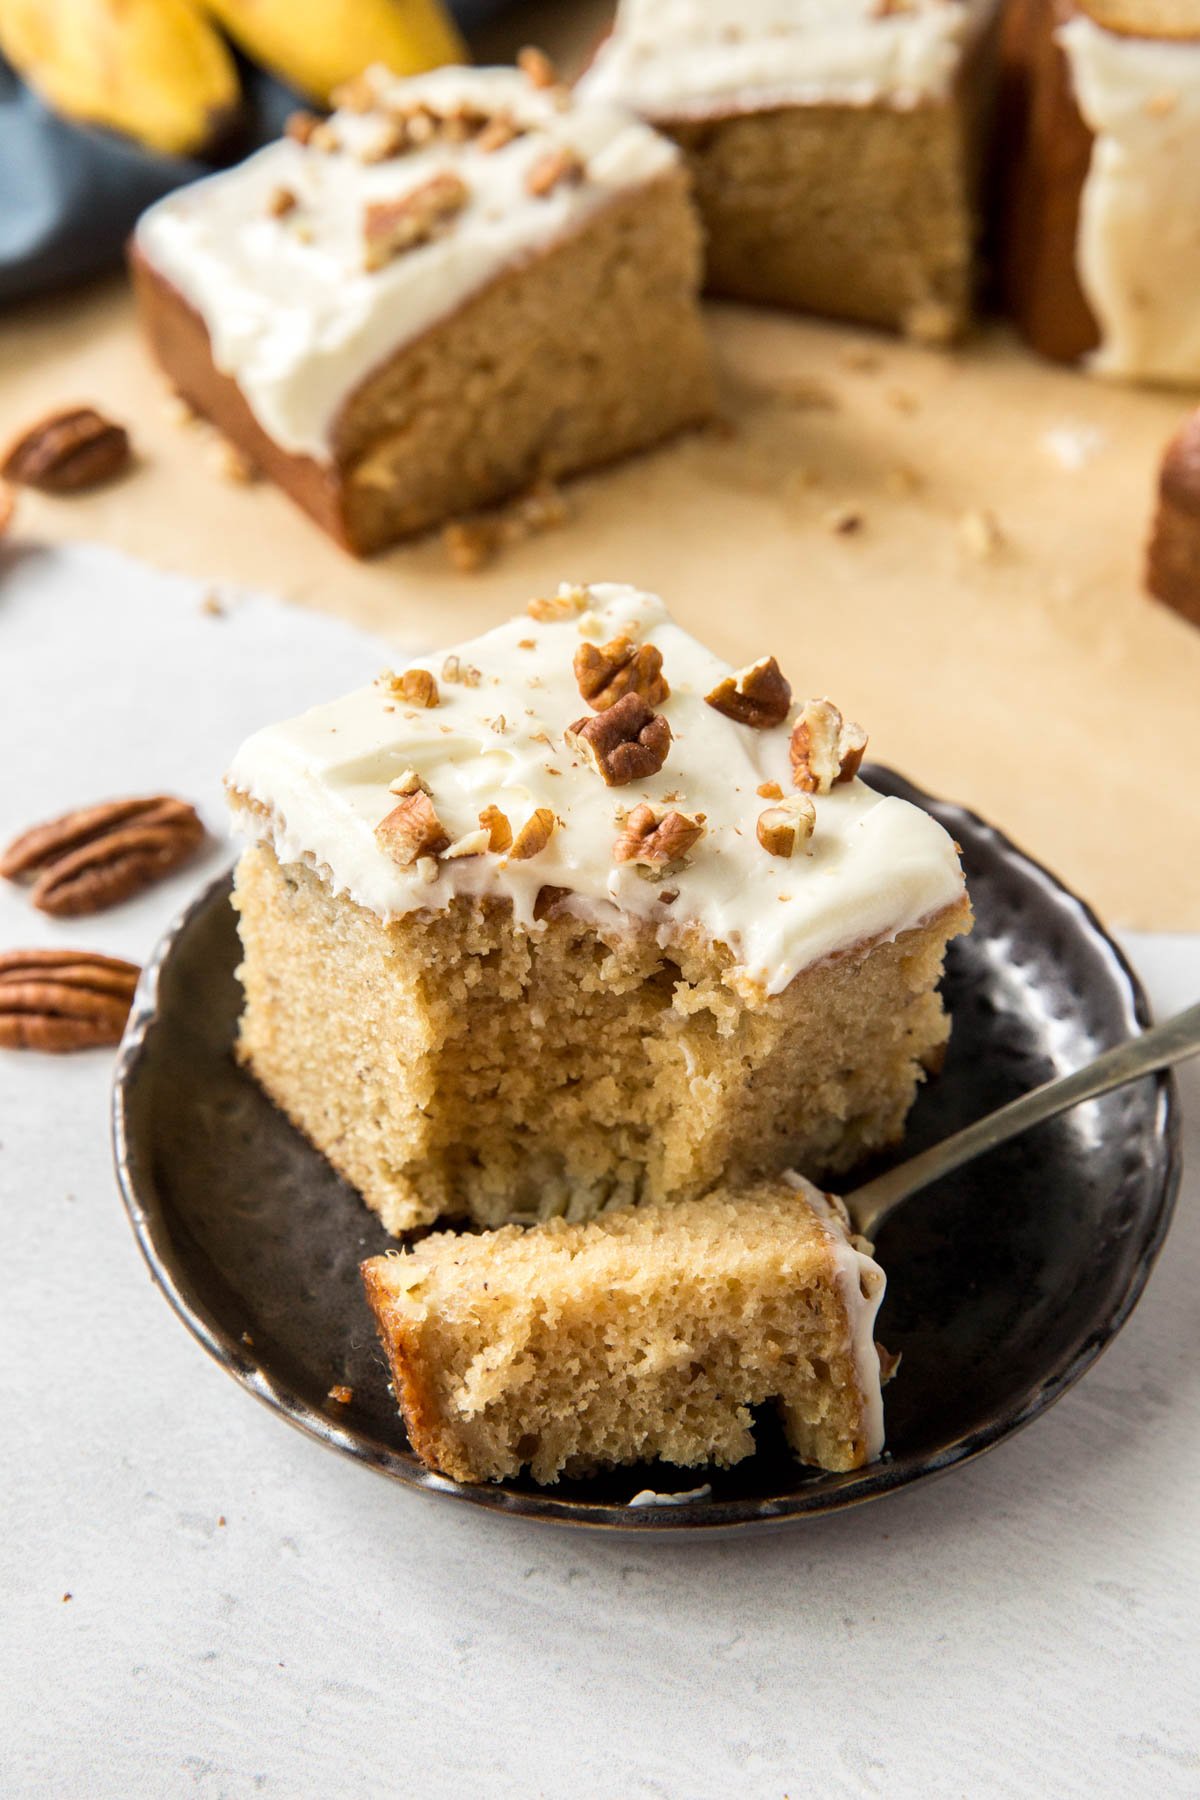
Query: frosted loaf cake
<point x="577" y="915"/>
<point x="834" y="144"/>
<point x="459" y="284"/>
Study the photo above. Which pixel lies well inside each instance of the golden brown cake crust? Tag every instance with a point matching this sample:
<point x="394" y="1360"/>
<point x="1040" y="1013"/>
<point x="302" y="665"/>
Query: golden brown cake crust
<point x="577" y="357"/>
<point x="1045" y="150"/>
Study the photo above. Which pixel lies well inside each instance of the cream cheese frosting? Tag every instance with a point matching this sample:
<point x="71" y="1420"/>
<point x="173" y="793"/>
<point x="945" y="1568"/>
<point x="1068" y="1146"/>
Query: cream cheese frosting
<point x="1138" y="237"/>
<point x="292" y="312"/>
<point x="862" y="1284"/>
<point x="316" y="787"/>
<point x="678" y="59"/>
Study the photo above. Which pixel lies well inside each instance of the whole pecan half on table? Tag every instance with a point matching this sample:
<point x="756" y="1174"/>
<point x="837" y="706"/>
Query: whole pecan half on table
<point x="98" y="855"/>
<point x="68" y="451"/>
<point x="62" y="1000"/>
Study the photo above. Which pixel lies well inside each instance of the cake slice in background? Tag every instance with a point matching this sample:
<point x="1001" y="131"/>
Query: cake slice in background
<point x="648" y="1333"/>
<point x="459" y="285"/>
<point x="835" y="146"/>
<point x="1173" y="557"/>
<point x="1101" y="150"/>
<point x="577" y="916"/>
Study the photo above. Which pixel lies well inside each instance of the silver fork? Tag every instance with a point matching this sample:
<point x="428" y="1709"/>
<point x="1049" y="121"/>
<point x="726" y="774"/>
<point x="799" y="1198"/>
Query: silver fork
<point x="1159" y="1048"/>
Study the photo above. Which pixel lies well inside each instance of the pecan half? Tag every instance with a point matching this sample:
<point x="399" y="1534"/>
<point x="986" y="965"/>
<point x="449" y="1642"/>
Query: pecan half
<point x="61" y="1000"/>
<point x="99" y="855"/>
<point x="757" y="695"/>
<point x="68" y="451"/>
<point x="558" y="167"/>
<point x="416" y="687"/>
<point x="626" y="743"/>
<point x="605" y="675"/>
<point x="657" y="837"/>
<point x="411" y="830"/>
<point x="784" y="829"/>
<point x="534" y="835"/>
<point x="499" y="831"/>
<point x="393" y="226"/>
<point x="825" y="748"/>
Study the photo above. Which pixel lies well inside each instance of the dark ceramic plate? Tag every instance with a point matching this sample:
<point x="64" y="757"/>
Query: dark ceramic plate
<point x="1004" y="1282"/>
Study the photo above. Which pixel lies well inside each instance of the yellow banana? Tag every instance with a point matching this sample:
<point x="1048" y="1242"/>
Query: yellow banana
<point x="317" y="44"/>
<point x="153" y="69"/>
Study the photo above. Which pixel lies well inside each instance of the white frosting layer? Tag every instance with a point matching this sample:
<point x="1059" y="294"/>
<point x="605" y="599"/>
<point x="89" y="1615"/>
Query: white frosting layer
<point x="295" y="317"/>
<point x="1138" y="243"/>
<point x="677" y="59"/>
<point x="861" y="1283"/>
<point x="875" y="866"/>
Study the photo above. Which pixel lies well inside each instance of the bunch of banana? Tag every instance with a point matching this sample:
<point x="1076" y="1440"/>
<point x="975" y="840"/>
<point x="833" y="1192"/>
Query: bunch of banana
<point x="161" y="72"/>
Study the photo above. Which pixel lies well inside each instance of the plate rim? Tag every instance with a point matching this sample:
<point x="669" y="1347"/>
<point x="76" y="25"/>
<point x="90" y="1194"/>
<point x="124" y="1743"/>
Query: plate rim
<point x="855" y="1488"/>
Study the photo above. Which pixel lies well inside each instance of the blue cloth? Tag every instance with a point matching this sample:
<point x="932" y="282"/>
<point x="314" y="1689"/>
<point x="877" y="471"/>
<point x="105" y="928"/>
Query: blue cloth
<point x="69" y="195"/>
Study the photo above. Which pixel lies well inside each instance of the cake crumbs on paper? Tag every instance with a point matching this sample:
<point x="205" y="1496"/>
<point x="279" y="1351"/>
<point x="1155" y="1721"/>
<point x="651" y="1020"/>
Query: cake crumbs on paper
<point x="979" y="533"/>
<point x="67" y="1596"/>
<point x="1073" y="446"/>
<point x="475" y="543"/>
<point x="846" y="521"/>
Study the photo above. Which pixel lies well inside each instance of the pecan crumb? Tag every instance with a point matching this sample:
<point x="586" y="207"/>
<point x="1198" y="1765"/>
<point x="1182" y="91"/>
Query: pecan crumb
<point x="606" y="675"/>
<point x="560" y="166"/>
<point x="411" y="830"/>
<point x="534" y="835"/>
<point x="471" y="843"/>
<point x="655" y="837"/>
<point x="498" y="132"/>
<point x="393" y="226"/>
<point x="626" y="743"/>
<point x="409" y="782"/>
<point x="558" y="606"/>
<point x="846" y="521"/>
<point x="758" y="695"/>
<point x="416" y="687"/>
<point x="783" y="829"/>
<point x="301" y="125"/>
<point x="537" y="68"/>
<point x="281" y="202"/>
<point x="825" y="749"/>
<point x="340" y="1394"/>
<point x="769" y="790"/>
<point x="980" y="533"/>
<point x="499" y="831"/>
<point x="231" y="463"/>
<point x="454" y="669"/>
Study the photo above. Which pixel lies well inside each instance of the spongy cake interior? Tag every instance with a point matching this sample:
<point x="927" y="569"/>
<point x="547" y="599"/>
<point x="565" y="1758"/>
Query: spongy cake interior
<point x="650" y="1333"/>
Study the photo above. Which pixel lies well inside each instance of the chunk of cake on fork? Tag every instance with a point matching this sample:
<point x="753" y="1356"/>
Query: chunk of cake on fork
<point x="577" y="916"/>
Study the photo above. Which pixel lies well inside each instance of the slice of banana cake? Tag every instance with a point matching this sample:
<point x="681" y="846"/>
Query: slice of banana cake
<point x="648" y="1333"/>
<point x="578" y="915"/>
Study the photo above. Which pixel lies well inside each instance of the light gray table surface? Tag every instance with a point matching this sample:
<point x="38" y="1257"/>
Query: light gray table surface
<point x="249" y="1615"/>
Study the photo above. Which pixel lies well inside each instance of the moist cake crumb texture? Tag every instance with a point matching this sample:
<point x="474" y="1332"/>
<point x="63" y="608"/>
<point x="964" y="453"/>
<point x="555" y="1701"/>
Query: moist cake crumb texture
<point x="649" y="1333"/>
<point x="576" y="915"/>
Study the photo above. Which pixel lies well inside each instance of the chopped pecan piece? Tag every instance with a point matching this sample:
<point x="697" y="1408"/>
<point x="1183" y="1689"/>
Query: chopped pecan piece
<point x="550" y="607"/>
<point x="657" y="837"/>
<point x="757" y="695"/>
<point x="62" y="1000"/>
<point x="605" y="675"/>
<point x="454" y="669"/>
<point x="537" y="68"/>
<point x="769" y="790"/>
<point x="411" y="830"/>
<point x="472" y="843"/>
<point x="499" y="131"/>
<point x="393" y="226"/>
<point x="786" y="828"/>
<point x="409" y="782"/>
<point x="558" y="167"/>
<point x="280" y="202"/>
<point x="825" y="749"/>
<point x="534" y="835"/>
<point x="626" y="743"/>
<point x="416" y="687"/>
<point x="68" y="451"/>
<point x="99" y="855"/>
<point x="499" y="831"/>
<point x="300" y="126"/>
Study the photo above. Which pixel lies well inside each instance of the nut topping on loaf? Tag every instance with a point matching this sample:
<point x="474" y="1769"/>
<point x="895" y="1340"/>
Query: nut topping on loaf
<point x="757" y="695"/>
<point x="824" y="749"/>
<point x="626" y="743"/>
<point x="657" y="838"/>
<point x="392" y="226"/>
<point x="607" y="675"/>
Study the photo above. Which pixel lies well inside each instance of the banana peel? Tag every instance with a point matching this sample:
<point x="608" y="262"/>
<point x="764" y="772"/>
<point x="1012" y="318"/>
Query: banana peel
<point x="155" y="70"/>
<point x="316" y="45"/>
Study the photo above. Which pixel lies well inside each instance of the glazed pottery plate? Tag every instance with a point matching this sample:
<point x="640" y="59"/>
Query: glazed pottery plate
<point x="1005" y="1281"/>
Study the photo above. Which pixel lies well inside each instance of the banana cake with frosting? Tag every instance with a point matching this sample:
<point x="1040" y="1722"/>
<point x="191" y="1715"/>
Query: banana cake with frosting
<point x="835" y="145"/>
<point x="458" y="285"/>
<point x="577" y="915"/>
<point x="648" y="1333"/>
